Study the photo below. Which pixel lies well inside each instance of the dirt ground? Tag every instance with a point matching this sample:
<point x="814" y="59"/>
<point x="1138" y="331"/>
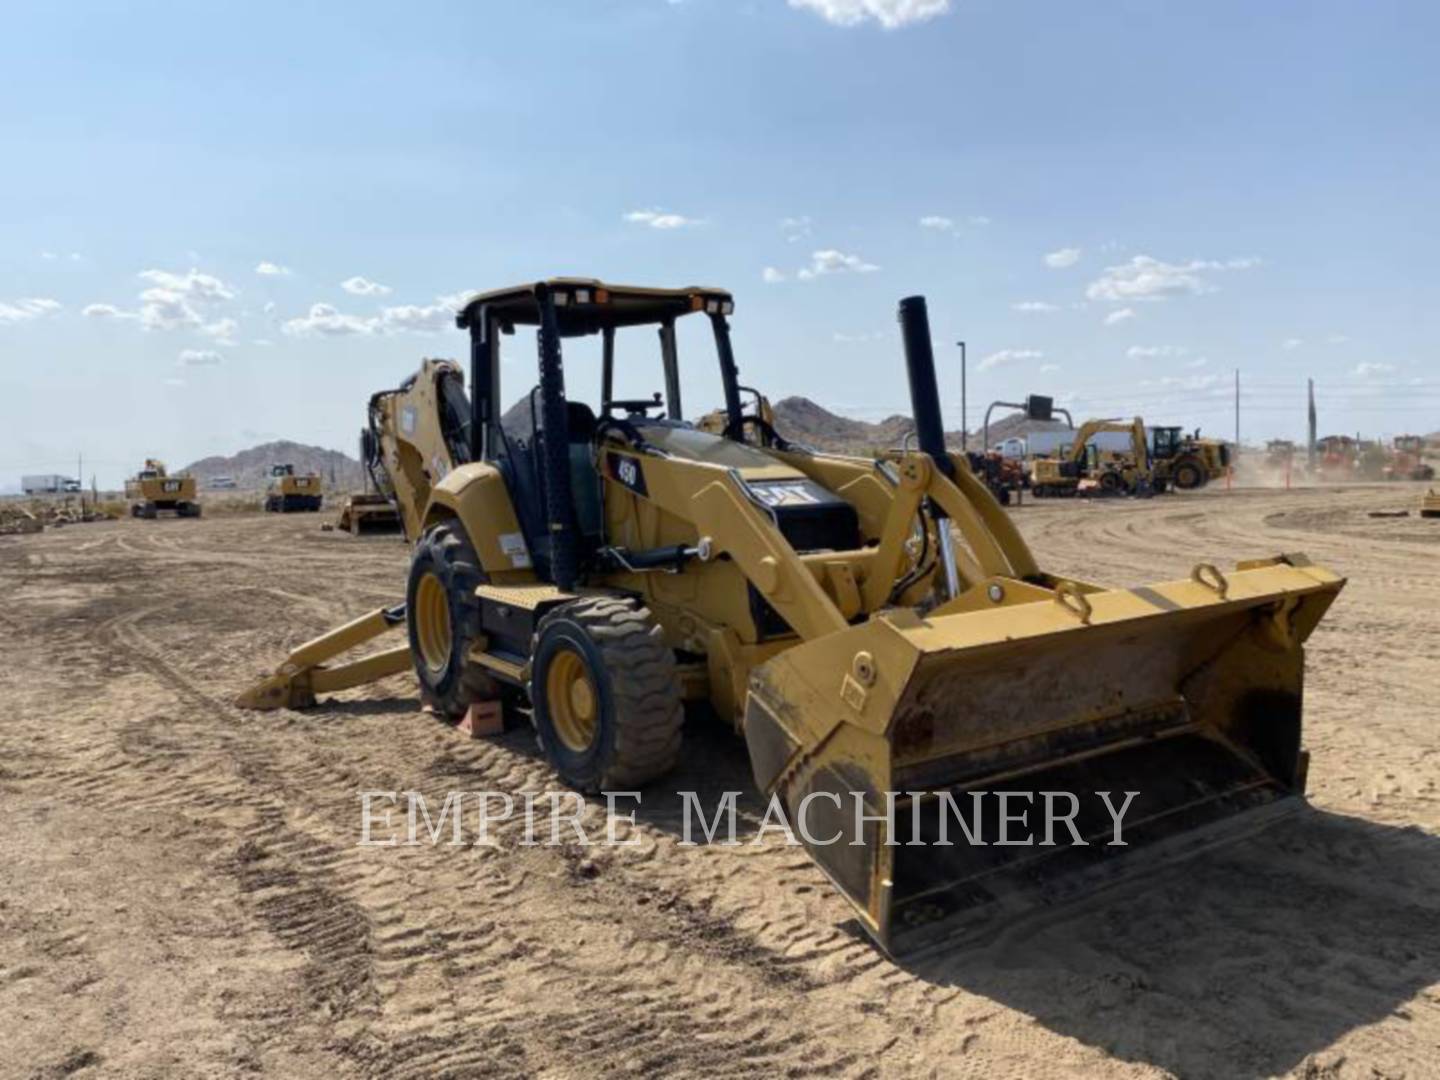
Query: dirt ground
<point x="183" y="893"/>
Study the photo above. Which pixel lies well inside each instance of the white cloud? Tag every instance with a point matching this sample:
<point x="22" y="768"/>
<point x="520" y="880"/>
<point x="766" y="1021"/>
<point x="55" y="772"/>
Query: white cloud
<point x="106" y="311"/>
<point x="891" y="14"/>
<point x="1198" y="362"/>
<point x="193" y="284"/>
<point x="661" y="219"/>
<point x="173" y="382"/>
<point x="796" y="228"/>
<point x="174" y="300"/>
<point x="1049" y="369"/>
<point x="32" y="307"/>
<point x="222" y="330"/>
<point x="423" y="319"/>
<point x="1008" y="356"/>
<point x="771" y="276"/>
<point x="1151" y="352"/>
<point x="830" y="261"/>
<point x="1145" y="278"/>
<point x="941" y="223"/>
<point x="1034" y="305"/>
<point x="359" y="286"/>
<point x="841" y="338"/>
<point x="270" y="269"/>
<point x="325" y="321"/>
<point x="1189" y="382"/>
<point x="1292" y="343"/>
<point x="1119" y="316"/>
<point x="1059" y="260"/>
<point x="200" y="358"/>
<point x="50" y="256"/>
<point x="1367" y="368"/>
<point x="1337" y="339"/>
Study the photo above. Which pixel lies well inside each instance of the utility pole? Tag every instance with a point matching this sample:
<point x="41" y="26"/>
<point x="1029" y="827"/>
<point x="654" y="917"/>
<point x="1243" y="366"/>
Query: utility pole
<point x="1237" y="412"/>
<point x="964" y="418"/>
<point x="1311" y="449"/>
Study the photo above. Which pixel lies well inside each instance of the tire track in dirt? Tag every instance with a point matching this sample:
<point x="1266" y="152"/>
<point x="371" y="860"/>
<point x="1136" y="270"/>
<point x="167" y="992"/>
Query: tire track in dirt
<point x="309" y="890"/>
<point x="422" y="961"/>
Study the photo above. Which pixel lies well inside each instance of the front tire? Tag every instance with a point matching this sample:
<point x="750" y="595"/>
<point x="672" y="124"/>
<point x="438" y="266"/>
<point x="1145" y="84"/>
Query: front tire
<point x="606" y="695"/>
<point x="1189" y="475"/>
<point x="443" y="620"/>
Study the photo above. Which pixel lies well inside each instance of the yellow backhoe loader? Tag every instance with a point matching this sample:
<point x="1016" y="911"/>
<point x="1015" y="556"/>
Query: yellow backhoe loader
<point x="152" y="491"/>
<point x="876" y="628"/>
<point x="289" y="491"/>
<point x="1081" y="466"/>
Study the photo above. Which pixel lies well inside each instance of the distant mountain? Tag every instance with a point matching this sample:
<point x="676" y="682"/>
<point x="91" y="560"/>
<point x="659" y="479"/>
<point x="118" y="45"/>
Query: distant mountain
<point x="802" y="420"/>
<point x="251" y="468"/>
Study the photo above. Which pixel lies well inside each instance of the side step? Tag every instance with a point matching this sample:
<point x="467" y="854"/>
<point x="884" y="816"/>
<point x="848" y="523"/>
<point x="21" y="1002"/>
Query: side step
<point x="509" y="615"/>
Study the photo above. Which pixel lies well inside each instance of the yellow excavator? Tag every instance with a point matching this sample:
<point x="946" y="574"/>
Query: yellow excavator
<point x="289" y="491"/>
<point x="153" y="491"/>
<point x="1081" y="466"/>
<point x="876" y="628"/>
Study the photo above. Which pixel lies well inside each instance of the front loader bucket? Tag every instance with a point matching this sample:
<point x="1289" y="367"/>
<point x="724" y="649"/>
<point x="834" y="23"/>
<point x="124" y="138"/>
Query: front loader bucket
<point x="951" y="772"/>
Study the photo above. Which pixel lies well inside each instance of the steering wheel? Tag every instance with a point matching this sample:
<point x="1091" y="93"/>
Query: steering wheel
<point x="614" y="425"/>
<point x="637" y="405"/>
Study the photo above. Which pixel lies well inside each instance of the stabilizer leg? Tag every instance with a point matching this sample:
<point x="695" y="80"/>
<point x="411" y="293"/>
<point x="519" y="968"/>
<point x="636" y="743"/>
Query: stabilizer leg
<point x="304" y="674"/>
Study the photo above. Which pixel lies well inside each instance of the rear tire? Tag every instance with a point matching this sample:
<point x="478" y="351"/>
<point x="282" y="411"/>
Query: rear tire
<point x="607" y="702"/>
<point x="443" y="620"/>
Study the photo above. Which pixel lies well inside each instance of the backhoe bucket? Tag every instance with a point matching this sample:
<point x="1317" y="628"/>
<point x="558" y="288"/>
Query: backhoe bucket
<point x="950" y="772"/>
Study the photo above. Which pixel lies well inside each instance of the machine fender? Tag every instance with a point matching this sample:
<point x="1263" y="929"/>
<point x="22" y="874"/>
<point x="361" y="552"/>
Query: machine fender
<point x="476" y="494"/>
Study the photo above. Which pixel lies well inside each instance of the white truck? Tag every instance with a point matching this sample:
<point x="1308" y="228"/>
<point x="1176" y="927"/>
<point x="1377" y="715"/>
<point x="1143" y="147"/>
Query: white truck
<point x="48" y="484"/>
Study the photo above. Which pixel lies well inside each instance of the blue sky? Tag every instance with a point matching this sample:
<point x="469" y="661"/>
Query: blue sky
<point x="1118" y="203"/>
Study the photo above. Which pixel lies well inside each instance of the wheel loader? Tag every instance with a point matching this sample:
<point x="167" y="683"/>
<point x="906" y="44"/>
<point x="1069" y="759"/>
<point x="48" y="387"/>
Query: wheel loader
<point x="1185" y="460"/>
<point x="153" y="491"/>
<point x="877" y="630"/>
<point x="289" y="491"/>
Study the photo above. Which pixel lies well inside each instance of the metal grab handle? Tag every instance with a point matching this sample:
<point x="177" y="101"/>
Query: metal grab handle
<point x="1209" y="575"/>
<point x="1069" y="596"/>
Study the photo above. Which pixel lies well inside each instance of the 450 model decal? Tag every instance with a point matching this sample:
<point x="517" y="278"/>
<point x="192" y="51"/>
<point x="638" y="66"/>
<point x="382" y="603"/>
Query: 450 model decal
<point x="626" y="470"/>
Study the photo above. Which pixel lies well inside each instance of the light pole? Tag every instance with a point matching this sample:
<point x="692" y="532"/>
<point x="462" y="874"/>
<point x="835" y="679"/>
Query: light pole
<point x="964" y="425"/>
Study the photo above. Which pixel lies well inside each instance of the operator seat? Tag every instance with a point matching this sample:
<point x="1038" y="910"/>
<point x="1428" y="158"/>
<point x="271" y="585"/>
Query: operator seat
<point x="522" y="465"/>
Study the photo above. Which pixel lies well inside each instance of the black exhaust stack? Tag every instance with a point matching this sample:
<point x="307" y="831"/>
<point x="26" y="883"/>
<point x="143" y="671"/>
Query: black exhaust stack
<point x="555" y="445"/>
<point x="924" y="387"/>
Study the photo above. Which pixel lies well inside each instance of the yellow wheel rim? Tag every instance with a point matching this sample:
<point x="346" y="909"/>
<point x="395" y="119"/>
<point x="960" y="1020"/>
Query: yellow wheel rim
<point x="573" y="702"/>
<point x="432" y="623"/>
